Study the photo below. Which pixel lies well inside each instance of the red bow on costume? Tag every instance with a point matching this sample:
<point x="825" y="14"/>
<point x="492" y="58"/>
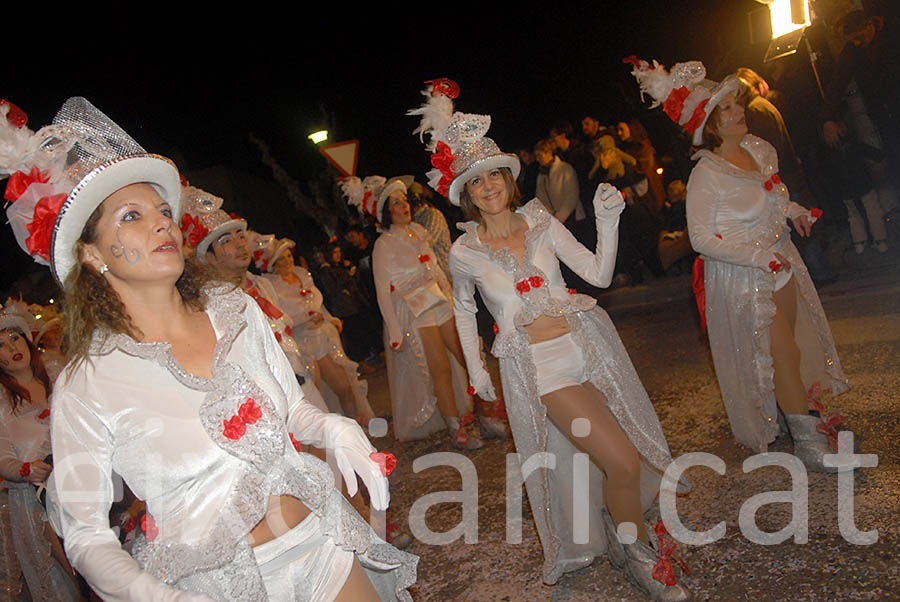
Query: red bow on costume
<point x="663" y="571"/>
<point x="20" y="181"/>
<point x="267" y="306"/>
<point x="441" y="160"/>
<point x="257" y="255"/>
<point x="41" y="227"/>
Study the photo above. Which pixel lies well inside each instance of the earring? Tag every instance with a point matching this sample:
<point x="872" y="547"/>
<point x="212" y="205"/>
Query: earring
<point x="103" y="269"/>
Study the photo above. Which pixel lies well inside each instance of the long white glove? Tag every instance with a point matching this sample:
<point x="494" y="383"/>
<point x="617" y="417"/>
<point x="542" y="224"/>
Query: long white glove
<point x="351" y="451"/>
<point x="608" y="202"/>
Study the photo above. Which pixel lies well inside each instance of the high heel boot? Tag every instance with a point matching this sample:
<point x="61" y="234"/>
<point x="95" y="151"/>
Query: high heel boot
<point x="460" y="434"/>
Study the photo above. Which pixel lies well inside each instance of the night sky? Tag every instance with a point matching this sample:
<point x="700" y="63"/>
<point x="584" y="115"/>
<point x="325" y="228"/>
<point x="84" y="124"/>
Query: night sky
<point x="195" y="91"/>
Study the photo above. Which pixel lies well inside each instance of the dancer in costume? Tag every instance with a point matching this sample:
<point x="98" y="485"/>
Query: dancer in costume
<point x="29" y="546"/>
<point x="425" y="363"/>
<point x="770" y="341"/>
<point x="315" y="330"/>
<point x="568" y="380"/>
<point x="179" y="386"/>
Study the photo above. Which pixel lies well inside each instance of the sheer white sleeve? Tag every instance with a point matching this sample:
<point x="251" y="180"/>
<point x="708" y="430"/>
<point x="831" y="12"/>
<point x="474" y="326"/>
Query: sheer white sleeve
<point x="595" y="268"/>
<point x="464" y="309"/>
<point x="381" y="270"/>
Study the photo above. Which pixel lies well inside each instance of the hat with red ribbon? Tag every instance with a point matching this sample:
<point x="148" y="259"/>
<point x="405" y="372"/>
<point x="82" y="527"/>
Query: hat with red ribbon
<point x="685" y="94"/>
<point x="369" y="195"/>
<point x="14" y="317"/>
<point x="59" y="175"/>
<point x="457" y="141"/>
<point x="204" y="220"/>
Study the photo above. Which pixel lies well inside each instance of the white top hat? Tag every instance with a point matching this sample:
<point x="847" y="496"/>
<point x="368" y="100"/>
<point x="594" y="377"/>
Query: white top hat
<point x="457" y="141"/>
<point x="12" y="317"/>
<point x="370" y="194"/>
<point x="686" y="95"/>
<point x="61" y="174"/>
<point x="204" y="221"/>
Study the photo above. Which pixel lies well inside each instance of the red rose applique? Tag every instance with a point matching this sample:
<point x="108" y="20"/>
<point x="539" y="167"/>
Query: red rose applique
<point x="572" y="291"/>
<point x="25" y="470"/>
<point x="522" y="286"/>
<point x="470" y="390"/>
<point x="148" y="526"/>
<point x="234" y="428"/>
<point x="392" y="288"/>
<point x="536" y="281"/>
<point x="768" y="185"/>
<point x="249" y="412"/>
<point x="424" y="258"/>
<point x="278" y="336"/>
<point x="776" y="178"/>
<point x="775" y="266"/>
<point x="386" y="460"/>
<point x="815" y="212"/>
<point x="496" y="328"/>
<point x="289" y="331"/>
<point x="130" y="525"/>
<point x="44" y="414"/>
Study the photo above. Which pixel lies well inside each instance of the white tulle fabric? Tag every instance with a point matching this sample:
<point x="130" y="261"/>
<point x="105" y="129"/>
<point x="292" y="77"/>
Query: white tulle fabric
<point x="737" y="225"/>
<point x="315" y="341"/>
<point x="24" y="437"/>
<point x="398" y="271"/>
<point x="133" y="410"/>
<point x="607" y="367"/>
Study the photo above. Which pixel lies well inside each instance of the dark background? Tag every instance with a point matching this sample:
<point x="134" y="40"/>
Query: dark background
<point x="194" y="89"/>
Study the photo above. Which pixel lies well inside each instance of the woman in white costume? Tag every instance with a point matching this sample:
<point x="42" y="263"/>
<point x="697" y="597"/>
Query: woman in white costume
<point x="425" y="364"/>
<point x="568" y="381"/>
<point x="315" y="330"/>
<point x="28" y="540"/>
<point x="769" y="337"/>
<point x="180" y="387"/>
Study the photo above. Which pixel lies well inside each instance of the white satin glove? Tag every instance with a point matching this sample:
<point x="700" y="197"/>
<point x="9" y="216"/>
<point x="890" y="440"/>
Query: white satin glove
<point x="351" y="451"/>
<point x="481" y="383"/>
<point x="608" y="202"/>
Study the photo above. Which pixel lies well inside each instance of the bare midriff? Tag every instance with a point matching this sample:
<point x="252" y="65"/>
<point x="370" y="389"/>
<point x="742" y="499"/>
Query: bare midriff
<point x="284" y="512"/>
<point x="545" y="328"/>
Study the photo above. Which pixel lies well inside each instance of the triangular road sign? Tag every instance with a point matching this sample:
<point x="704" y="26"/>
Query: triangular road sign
<point x="343" y="156"/>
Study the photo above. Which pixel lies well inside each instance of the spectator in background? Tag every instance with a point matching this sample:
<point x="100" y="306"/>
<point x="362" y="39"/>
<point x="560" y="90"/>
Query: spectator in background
<point x="576" y="153"/>
<point x="339" y="282"/>
<point x="429" y="217"/>
<point x="527" y="180"/>
<point x="557" y="185"/>
<point x="674" y="243"/>
<point x="634" y="141"/>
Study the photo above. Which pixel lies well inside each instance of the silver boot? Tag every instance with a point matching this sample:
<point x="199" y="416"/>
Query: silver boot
<point x="639" y="562"/>
<point x="809" y="444"/>
<point x="462" y="438"/>
<point x="614" y="550"/>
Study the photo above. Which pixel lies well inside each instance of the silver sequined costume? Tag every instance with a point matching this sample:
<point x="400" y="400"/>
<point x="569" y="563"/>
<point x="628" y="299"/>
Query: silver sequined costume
<point x="502" y="280"/>
<point x="737" y="220"/>
<point x="134" y="410"/>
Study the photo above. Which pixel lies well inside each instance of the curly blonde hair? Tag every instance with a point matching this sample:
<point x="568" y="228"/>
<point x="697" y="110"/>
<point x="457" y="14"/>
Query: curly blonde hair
<point x="94" y="308"/>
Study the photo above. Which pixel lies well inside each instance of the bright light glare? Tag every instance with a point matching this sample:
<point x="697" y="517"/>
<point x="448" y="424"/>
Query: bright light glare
<point x="320" y="136"/>
<point x="780" y="13"/>
<point x="659" y="170"/>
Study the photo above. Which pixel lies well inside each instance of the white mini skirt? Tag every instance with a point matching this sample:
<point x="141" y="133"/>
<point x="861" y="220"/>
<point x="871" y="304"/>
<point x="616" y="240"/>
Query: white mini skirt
<point x="303" y="564"/>
<point x="559" y="364"/>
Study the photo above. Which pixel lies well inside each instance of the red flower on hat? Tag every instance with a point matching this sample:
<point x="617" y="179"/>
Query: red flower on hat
<point x="41" y="227"/>
<point x="15" y="116"/>
<point x="696" y="118"/>
<point x="386" y="460"/>
<point x="193" y="229"/>
<point x="815" y="212"/>
<point x="148" y="526"/>
<point x="674" y="104"/>
<point x="441" y="160"/>
<point x="234" y="428"/>
<point x="19" y="182"/>
<point x="249" y="412"/>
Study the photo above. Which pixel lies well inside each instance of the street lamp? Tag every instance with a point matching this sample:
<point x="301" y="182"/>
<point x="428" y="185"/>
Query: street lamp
<point x="319" y="137"/>
<point x="789" y="19"/>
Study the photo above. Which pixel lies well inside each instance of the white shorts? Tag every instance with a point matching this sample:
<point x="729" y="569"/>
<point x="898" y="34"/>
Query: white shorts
<point x="559" y="363"/>
<point x="434" y="316"/>
<point x="303" y="562"/>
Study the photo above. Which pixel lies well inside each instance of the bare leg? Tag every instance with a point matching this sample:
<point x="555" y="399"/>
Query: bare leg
<point x="357" y="587"/>
<point x="451" y="341"/>
<point x="336" y="378"/>
<point x="607" y="445"/>
<point x="439" y="367"/>
<point x="789" y="390"/>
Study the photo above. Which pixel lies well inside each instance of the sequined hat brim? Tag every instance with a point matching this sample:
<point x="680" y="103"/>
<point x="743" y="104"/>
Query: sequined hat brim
<point x="284" y="246"/>
<point x="95" y="187"/>
<point x="502" y="160"/>
<point x="729" y="85"/>
<point x="12" y="321"/>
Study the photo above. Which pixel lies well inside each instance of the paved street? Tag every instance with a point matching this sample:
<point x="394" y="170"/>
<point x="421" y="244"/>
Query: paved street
<point x="672" y="357"/>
